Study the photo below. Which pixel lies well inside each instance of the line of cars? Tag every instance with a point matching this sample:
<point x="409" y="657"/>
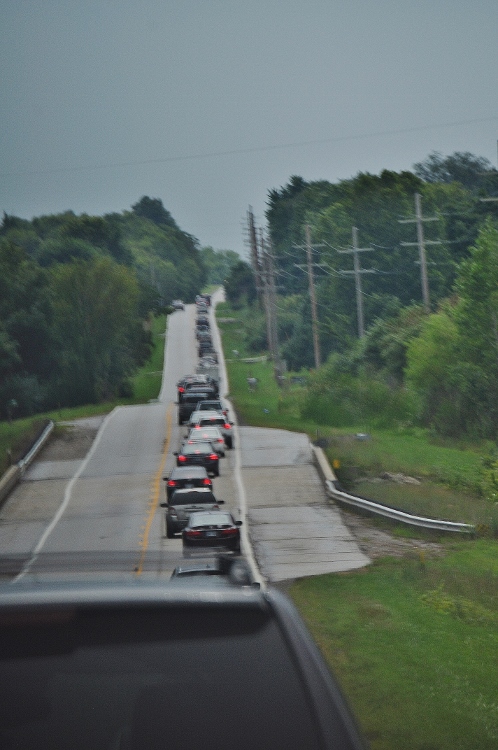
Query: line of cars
<point x="192" y="508"/>
<point x="208" y="658"/>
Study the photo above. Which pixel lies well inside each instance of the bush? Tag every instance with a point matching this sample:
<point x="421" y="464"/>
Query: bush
<point x="342" y="401"/>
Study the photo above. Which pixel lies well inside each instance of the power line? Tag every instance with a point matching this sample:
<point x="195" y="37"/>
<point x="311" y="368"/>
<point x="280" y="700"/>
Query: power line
<point x="252" y="150"/>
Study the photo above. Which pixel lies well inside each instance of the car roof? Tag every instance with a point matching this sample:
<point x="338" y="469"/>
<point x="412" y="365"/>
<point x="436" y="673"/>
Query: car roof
<point x="87" y="616"/>
<point x="192" y="490"/>
<point x="178" y="472"/>
<point x="204" y="517"/>
<point x="206" y="414"/>
<point x="197" y="447"/>
<point x="208" y="428"/>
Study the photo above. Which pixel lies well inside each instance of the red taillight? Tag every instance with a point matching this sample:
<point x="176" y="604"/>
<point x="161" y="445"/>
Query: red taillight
<point x="213" y="457"/>
<point x="229" y="532"/>
<point x="182" y="458"/>
<point x="207" y="481"/>
<point x="192" y="532"/>
<point x="181" y="389"/>
<point x="226" y="426"/>
<point x="171" y="483"/>
<point x="197" y="427"/>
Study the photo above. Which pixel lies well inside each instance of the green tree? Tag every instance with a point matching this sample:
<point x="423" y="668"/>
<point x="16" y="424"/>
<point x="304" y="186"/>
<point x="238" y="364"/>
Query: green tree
<point x="95" y="316"/>
<point x="153" y="209"/>
<point x="240" y="288"/>
<point x="431" y="359"/>
<point x="473" y="172"/>
<point x="218" y="264"/>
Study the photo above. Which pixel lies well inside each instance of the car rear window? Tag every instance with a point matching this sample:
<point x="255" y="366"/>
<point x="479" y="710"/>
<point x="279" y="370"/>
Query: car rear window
<point x="190" y="448"/>
<point x="188" y="498"/>
<point x="211" y="421"/>
<point x="192" y="398"/>
<point x="208" y="519"/>
<point x="153" y="679"/>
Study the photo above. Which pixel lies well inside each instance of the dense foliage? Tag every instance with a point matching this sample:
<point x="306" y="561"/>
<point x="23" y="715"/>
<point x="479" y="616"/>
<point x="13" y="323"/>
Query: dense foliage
<point x="75" y="295"/>
<point x="434" y="367"/>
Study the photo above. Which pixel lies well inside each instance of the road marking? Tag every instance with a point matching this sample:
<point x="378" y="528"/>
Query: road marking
<point x="154" y="501"/>
<point x="67" y="497"/>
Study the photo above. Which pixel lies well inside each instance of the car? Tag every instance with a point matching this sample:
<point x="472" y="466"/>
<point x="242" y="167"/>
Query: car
<point x="191" y="380"/>
<point x="199" y="454"/>
<point x="184" y="502"/>
<point x="189" y="400"/>
<point x="205" y="418"/>
<point x="177" y="304"/>
<point x="187" y="477"/>
<point x="117" y="665"/>
<point x="213" y="404"/>
<point x="204" y="348"/>
<point x="211" y="434"/>
<point x="203" y="299"/>
<point x="199" y="380"/>
<point x="215" y="529"/>
<point x="230" y="570"/>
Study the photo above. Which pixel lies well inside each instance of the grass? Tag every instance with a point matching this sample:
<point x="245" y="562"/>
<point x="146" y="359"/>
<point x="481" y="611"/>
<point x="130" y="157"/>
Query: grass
<point x="451" y="476"/>
<point x="17" y="437"/>
<point x="147" y="381"/>
<point x="413" y="640"/>
<point x="414" y="645"/>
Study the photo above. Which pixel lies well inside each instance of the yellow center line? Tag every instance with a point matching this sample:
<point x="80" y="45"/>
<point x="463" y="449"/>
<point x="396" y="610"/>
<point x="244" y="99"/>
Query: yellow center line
<point x="156" y="491"/>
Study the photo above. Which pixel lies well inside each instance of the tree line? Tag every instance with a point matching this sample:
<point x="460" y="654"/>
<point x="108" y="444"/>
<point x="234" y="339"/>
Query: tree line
<point x="75" y="296"/>
<point x="438" y="368"/>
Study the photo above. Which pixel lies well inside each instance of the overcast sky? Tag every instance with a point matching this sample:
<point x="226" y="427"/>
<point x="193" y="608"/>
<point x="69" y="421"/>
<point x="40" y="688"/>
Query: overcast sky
<point x="209" y="104"/>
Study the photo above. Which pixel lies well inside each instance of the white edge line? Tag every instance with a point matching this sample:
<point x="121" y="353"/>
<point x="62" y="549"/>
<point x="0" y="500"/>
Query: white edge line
<point x="67" y="497"/>
<point x="246" y="542"/>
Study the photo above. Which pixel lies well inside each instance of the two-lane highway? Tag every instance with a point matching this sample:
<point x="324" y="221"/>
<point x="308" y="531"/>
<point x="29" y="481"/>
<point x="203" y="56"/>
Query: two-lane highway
<point x="103" y="512"/>
<point x="108" y="513"/>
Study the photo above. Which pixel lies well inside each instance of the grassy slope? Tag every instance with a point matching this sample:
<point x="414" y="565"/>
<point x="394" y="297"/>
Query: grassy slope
<point x="414" y="642"/>
<point x="146" y="384"/>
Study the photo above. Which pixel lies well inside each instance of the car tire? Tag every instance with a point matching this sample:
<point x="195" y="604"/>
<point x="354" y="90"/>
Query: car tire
<point x="229" y="443"/>
<point x="170" y="533"/>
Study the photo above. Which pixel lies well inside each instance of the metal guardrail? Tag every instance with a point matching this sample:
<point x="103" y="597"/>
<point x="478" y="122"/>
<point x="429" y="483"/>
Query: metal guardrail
<point x="25" y="462"/>
<point x="335" y="492"/>
<point x="14" y="474"/>
<point x="368" y="506"/>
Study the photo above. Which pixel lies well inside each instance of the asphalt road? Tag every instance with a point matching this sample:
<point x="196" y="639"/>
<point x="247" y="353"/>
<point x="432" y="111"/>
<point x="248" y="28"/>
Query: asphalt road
<point x="103" y="511"/>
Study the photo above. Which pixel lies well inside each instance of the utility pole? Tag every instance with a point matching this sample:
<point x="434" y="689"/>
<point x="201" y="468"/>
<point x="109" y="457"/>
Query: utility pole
<point x="421" y="243"/>
<point x="309" y="266"/>
<point x="314" y="316"/>
<point x="357" y="278"/>
<point x="270" y="303"/>
<point x="265" y="277"/>
<point x="255" y="256"/>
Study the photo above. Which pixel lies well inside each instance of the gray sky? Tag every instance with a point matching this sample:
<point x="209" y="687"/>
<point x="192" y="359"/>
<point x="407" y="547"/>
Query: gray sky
<point x="208" y="104"/>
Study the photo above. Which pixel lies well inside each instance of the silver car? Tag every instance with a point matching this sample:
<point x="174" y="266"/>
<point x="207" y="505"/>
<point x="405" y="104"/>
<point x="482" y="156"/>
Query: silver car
<point x="215" y="419"/>
<point x="211" y="434"/>
<point x="184" y="502"/>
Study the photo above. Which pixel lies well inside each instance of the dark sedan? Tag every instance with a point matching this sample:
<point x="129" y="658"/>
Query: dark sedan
<point x="187" y="477"/>
<point x="199" y="454"/>
<point x="214" y="529"/>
